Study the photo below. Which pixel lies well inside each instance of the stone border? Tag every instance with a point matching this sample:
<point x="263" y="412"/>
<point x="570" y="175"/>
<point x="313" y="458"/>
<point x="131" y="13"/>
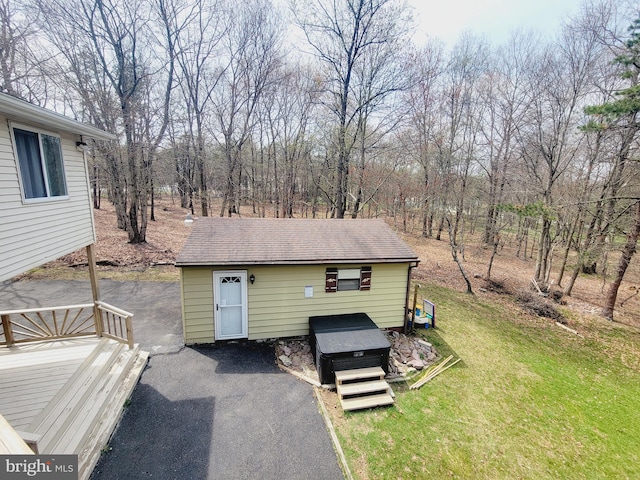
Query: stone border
<point x="408" y="354"/>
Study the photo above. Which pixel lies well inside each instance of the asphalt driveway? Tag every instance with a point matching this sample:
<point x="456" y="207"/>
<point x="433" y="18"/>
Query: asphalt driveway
<point x="215" y="412"/>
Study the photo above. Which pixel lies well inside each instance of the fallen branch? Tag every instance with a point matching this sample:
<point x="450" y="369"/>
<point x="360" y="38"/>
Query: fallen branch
<point x="637" y="290"/>
<point x="535" y="284"/>
<point x="568" y="329"/>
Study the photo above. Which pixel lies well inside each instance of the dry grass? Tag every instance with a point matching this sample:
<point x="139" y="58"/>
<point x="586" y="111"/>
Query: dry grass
<point x="515" y="274"/>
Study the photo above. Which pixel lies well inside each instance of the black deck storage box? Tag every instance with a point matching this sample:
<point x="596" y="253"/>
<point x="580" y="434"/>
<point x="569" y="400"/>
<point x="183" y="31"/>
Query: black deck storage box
<point x="346" y="342"/>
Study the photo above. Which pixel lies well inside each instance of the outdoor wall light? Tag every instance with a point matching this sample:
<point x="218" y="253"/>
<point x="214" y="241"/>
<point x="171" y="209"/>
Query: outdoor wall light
<point x="252" y="278"/>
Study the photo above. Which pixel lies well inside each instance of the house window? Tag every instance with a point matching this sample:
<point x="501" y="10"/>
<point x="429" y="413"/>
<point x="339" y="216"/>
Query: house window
<point x="344" y="279"/>
<point x="348" y="279"/>
<point x="40" y="164"/>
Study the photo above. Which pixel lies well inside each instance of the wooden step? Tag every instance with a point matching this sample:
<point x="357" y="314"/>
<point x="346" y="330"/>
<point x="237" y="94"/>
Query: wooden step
<point x="93" y="443"/>
<point x="80" y="418"/>
<point x="370" y="401"/>
<point x="70" y="439"/>
<point x="60" y="413"/>
<point x="361" y="388"/>
<point x="359" y="374"/>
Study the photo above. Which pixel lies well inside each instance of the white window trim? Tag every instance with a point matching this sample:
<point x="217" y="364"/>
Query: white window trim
<point x="39" y="131"/>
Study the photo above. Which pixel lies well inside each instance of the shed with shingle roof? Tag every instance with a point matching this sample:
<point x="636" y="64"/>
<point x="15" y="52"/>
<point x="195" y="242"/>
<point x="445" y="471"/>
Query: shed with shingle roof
<point x="262" y="278"/>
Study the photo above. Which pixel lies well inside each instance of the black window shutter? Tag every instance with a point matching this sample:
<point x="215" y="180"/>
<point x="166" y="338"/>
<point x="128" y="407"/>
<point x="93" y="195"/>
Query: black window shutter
<point x="365" y="278"/>
<point x="331" y="280"/>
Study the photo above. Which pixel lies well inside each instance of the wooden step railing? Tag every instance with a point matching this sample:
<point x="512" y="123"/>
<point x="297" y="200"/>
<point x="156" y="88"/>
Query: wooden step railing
<point x="116" y="323"/>
<point x="56" y="323"/>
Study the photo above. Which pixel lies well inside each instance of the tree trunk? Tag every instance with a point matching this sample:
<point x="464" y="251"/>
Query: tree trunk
<point x="96" y="188"/>
<point x="153" y="197"/>
<point x="440" y="228"/>
<point x="454" y="254"/>
<point x="341" y="186"/>
<point x="494" y="252"/>
<point x="627" y="253"/>
<point x="202" y="174"/>
<point x="356" y="205"/>
<point x="490" y="224"/>
<point x="544" y="250"/>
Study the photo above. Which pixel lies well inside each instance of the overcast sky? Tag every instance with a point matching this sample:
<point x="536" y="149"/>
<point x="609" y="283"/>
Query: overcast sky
<point x="447" y="19"/>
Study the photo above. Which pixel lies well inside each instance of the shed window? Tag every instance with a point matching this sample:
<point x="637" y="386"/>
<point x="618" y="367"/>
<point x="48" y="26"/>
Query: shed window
<point x="344" y="279"/>
<point x="40" y="164"/>
<point x="348" y="279"/>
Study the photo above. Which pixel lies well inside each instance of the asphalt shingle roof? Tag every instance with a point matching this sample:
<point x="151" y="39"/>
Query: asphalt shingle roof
<point x="273" y="241"/>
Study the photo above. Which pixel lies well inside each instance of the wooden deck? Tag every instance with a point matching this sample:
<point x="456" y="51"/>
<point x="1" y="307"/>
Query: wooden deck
<point x="66" y="396"/>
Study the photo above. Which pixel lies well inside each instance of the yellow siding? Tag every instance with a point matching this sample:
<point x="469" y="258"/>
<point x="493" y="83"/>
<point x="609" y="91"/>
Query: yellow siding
<point x="197" y="304"/>
<point x="35" y="233"/>
<point x="277" y="303"/>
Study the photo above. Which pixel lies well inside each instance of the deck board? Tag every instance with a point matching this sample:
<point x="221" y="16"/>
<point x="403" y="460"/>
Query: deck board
<point x="7" y="395"/>
<point x="32" y="374"/>
<point x="68" y="394"/>
<point x="16" y="379"/>
<point x="32" y="354"/>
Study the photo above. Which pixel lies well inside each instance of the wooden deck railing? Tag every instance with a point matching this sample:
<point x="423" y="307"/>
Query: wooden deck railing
<point x="56" y="323"/>
<point x="116" y="323"/>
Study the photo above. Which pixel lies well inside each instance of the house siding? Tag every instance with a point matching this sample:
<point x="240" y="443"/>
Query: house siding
<point x="277" y="303"/>
<point x="197" y="304"/>
<point x="38" y="232"/>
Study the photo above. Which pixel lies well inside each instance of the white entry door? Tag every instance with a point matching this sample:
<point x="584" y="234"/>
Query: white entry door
<point x="230" y="303"/>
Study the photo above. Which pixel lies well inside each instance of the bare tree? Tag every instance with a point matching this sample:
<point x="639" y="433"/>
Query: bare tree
<point x="107" y="51"/>
<point x="454" y="254"/>
<point x="285" y="118"/>
<point x="423" y="99"/>
<point x="344" y="35"/>
<point x="22" y="62"/>
<point x="249" y="61"/>
<point x="551" y="143"/>
<point x="505" y="103"/>
<point x="621" y="116"/>
<point x="203" y="25"/>
<point x="600" y="207"/>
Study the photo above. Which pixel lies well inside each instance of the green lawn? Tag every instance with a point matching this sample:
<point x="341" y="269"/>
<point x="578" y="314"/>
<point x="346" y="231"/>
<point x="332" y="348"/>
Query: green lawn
<point x="528" y="400"/>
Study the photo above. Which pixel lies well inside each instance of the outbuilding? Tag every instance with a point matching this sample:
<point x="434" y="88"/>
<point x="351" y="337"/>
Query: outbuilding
<point x="259" y="278"/>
